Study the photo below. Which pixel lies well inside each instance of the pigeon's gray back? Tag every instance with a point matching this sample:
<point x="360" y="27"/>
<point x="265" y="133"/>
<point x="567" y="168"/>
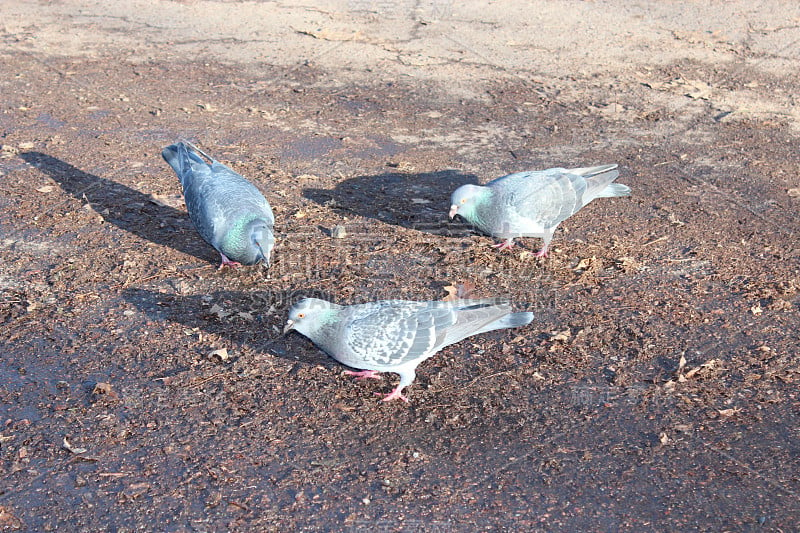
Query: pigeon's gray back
<point x="549" y="198"/>
<point x="386" y="334"/>
<point x="217" y="198"/>
<point x="390" y="333"/>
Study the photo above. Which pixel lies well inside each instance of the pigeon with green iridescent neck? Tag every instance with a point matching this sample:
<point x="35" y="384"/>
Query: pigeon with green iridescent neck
<point x="533" y="204"/>
<point x="396" y="335"/>
<point x="229" y="212"/>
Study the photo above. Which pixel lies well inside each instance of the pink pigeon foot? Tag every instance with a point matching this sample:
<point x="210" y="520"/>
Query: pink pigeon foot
<point x="505" y="245"/>
<point x="541" y="253"/>
<point x="363" y="374"/>
<point x="227" y="262"/>
<point x="397" y="393"/>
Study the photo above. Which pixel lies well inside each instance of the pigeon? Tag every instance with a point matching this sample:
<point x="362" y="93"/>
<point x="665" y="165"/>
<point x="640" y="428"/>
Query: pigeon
<point x="229" y="212"/>
<point x="533" y="204"/>
<point x="396" y="335"/>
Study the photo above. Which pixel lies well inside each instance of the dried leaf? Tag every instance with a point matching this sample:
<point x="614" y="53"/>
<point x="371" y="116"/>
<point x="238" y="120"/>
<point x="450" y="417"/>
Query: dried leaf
<point x="220" y="355"/>
<point x="168" y="200"/>
<point x="338" y="232"/>
<point x="588" y="264"/>
<point x="725" y="413"/>
<point x="708" y="365"/>
<point x="8" y="520"/>
<point x="102" y="388"/>
<point x="562" y="336"/>
<point x="69" y="447"/>
<point x="465" y="289"/>
<point x="218" y="310"/>
<point x="452" y="293"/>
<point x="627" y="264"/>
<point x="675" y="221"/>
<point x="45" y="189"/>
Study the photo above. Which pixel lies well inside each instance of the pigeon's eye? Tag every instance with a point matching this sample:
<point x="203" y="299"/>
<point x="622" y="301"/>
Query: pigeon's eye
<point x="301" y="315"/>
<point x="463" y="200"/>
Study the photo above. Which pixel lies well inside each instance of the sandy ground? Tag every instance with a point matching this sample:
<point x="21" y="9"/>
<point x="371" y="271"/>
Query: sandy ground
<point x="655" y="390"/>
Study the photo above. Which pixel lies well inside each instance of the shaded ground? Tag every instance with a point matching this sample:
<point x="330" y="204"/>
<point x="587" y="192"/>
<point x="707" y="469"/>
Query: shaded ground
<point x="110" y="303"/>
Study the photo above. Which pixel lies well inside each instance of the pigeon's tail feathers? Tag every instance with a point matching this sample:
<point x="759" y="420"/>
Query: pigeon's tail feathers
<point x="615" y="189"/>
<point x="196" y="150"/>
<point x="478" y="303"/>
<point x="588" y="172"/>
<point x="598" y="180"/>
<point x="183" y="158"/>
<point x="513" y="320"/>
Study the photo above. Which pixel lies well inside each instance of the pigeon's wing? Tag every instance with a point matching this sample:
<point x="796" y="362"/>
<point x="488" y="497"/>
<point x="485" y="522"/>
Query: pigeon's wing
<point x="392" y="333"/>
<point x="547" y="197"/>
<point x="245" y="195"/>
<point x="472" y="316"/>
<point x="220" y="199"/>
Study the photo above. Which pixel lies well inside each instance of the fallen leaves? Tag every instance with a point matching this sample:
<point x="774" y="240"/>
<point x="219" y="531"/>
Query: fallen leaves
<point x="338" y="232"/>
<point x="459" y="292"/>
<point x="220" y="355"/>
<point x="585" y="264"/>
<point x="174" y="201"/>
<point x="694" y="89"/>
<point x="73" y="449"/>
<point x="627" y="264"/>
<point x="8" y="520"/>
<point x="104" y="389"/>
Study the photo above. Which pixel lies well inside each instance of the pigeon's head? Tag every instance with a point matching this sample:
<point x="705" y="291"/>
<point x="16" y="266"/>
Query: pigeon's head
<point x="465" y="199"/>
<point x="261" y="242"/>
<point x="307" y="315"/>
<point x="250" y="243"/>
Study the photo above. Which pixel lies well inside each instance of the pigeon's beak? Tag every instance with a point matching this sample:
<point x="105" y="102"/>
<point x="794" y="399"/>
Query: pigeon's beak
<point x="453" y="210"/>
<point x="264" y="255"/>
<point x="289" y="326"/>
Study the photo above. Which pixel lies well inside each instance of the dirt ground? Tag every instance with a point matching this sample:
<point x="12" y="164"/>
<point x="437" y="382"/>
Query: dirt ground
<point x="656" y="389"/>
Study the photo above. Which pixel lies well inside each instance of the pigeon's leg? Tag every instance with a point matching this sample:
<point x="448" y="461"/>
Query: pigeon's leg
<point x="542" y="252"/>
<point x="406" y="377"/>
<point x="546" y="238"/>
<point x="227" y="262"/>
<point x="394" y="395"/>
<point x="505" y="245"/>
<point x="363" y="374"/>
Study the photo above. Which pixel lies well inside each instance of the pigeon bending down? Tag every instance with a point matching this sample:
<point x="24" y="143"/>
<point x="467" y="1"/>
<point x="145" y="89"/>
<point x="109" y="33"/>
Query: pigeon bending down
<point x="229" y="212"/>
<point x="396" y="335"/>
<point x="533" y="204"/>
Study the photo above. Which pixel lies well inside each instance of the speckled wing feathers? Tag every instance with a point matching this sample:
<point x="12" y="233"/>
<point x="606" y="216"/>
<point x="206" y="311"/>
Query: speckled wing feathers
<point x="392" y="333"/>
<point x="536" y="195"/>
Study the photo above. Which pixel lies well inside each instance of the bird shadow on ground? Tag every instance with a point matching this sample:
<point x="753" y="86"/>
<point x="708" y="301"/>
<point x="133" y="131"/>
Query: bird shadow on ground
<point x="126" y="208"/>
<point x="253" y="318"/>
<point x="415" y="201"/>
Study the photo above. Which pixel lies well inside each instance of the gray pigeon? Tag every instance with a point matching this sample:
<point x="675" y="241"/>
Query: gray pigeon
<point x="533" y="204"/>
<point x="229" y="212"/>
<point x="396" y="335"/>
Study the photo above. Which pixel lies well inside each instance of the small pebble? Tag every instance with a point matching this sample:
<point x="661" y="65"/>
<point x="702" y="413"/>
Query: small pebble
<point x="338" y="232"/>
